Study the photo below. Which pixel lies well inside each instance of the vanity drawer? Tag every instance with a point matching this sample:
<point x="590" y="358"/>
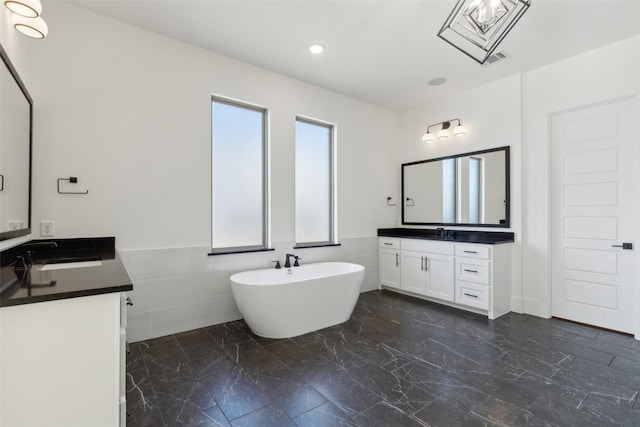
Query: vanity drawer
<point x="472" y="294"/>
<point x="427" y="246"/>
<point x="473" y="251"/>
<point x="472" y="270"/>
<point x="389" y="243"/>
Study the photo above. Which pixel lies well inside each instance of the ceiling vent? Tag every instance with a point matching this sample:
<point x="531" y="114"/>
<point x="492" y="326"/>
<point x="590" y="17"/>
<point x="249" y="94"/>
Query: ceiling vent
<point x="496" y="57"/>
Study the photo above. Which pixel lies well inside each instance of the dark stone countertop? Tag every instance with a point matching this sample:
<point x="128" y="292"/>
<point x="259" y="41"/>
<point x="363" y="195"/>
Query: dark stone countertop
<point x="38" y="286"/>
<point x="459" y="236"/>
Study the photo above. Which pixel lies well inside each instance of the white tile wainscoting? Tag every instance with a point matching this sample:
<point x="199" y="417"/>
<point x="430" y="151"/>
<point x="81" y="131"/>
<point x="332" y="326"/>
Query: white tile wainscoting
<point x="180" y="289"/>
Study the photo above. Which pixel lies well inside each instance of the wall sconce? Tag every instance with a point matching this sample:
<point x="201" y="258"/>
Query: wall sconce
<point x="443" y="133"/>
<point x="476" y="27"/>
<point x="26" y="17"/>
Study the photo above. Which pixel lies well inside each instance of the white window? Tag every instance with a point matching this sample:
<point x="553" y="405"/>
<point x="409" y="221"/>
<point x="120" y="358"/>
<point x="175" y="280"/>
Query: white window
<point x="239" y="176"/>
<point x="449" y="190"/>
<point x="314" y="183"/>
<point x="475" y="191"/>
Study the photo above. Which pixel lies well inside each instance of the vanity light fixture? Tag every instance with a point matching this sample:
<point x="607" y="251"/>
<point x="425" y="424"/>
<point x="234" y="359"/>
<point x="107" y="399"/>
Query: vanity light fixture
<point x="476" y="27"/>
<point x="26" y="17"/>
<point x="26" y="8"/>
<point x="443" y="133"/>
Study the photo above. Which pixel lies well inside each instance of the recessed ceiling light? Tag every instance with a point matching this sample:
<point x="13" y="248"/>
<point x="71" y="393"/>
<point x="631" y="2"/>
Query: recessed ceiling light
<point x="316" y="48"/>
<point x="437" y="81"/>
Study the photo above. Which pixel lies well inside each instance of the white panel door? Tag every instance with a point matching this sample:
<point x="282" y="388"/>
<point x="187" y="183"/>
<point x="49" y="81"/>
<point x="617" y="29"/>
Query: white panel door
<point x="593" y="212"/>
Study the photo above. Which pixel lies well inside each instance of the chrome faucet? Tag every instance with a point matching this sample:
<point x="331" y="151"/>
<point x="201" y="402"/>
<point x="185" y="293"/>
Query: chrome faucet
<point x="287" y="263"/>
<point x="440" y="232"/>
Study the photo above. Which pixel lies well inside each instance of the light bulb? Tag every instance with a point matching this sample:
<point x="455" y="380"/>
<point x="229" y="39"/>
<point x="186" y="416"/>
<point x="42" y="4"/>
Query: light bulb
<point x="443" y="134"/>
<point x="459" y="130"/>
<point x="32" y="27"/>
<point x="27" y="8"/>
<point x="427" y="138"/>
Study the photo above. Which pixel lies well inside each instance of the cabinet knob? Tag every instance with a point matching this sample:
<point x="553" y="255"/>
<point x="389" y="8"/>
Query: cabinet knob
<point x="129" y="302"/>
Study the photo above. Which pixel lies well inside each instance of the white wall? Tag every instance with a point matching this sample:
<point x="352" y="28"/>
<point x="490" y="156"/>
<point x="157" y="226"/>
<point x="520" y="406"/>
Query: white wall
<point x="127" y="111"/>
<point x="599" y="75"/>
<point x="492" y="115"/>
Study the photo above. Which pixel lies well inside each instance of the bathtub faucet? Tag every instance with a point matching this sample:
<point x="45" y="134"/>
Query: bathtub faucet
<point x="287" y="263"/>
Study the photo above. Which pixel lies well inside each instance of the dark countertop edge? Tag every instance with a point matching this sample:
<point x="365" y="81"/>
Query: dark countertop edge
<point x="75" y="246"/>
<point x="65" y="295"/>
<point x="462" y="236"/>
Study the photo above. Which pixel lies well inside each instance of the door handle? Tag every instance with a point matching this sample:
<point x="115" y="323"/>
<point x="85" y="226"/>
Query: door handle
<point x="396" y="259"/>
<point x="421" y="263"/>
<point x="623" y="246"/>
<point x="426" y="265"/>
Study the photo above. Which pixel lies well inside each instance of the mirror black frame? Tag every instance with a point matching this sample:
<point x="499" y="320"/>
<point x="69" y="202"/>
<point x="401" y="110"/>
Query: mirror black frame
<point x="507" y="223"/>
<point x="24" y="231"/>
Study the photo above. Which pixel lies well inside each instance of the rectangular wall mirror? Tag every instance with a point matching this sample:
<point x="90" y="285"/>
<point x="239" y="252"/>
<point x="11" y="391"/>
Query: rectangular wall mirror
<point x="16" y="112"/>
<point x="470" y="189"/>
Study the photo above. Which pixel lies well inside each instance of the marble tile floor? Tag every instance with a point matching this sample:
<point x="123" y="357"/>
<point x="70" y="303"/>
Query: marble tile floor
<point x="397" y="362"/>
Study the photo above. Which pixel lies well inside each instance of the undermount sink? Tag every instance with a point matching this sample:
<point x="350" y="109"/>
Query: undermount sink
<point x="66" y="264"/>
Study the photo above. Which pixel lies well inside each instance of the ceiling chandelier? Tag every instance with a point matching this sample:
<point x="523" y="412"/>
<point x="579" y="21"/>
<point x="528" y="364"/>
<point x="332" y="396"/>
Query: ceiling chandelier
<point x="476" y="27"/>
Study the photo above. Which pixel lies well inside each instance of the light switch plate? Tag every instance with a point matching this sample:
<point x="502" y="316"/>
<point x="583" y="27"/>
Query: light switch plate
<point x="15" y="225"/>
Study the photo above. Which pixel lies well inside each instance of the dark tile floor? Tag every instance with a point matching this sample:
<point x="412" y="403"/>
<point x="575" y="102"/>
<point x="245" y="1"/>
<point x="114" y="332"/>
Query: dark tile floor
<point x="398" y="362"/>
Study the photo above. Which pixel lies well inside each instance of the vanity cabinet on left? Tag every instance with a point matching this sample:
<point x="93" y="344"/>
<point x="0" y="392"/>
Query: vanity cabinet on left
<point x="62" y="362"/>
<point x="389" y="262"/>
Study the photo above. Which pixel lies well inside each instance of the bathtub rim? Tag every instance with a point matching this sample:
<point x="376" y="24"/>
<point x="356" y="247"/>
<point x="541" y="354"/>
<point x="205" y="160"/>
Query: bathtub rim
<point x="273" y="271"/>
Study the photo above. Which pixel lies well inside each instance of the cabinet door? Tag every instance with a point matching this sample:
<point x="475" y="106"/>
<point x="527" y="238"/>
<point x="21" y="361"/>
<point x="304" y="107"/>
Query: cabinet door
<point x="440" y="283"/>
<point x="389" y="267"/>
<point x="414" y="278"/>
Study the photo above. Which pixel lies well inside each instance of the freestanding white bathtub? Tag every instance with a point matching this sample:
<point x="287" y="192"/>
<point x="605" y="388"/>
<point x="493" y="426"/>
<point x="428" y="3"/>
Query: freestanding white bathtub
<point x="276" y="304"/>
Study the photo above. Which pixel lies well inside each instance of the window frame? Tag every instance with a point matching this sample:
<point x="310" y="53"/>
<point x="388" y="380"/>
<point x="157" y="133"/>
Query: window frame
<point x="266" y="182"/>
<point x="333" y="229"/>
